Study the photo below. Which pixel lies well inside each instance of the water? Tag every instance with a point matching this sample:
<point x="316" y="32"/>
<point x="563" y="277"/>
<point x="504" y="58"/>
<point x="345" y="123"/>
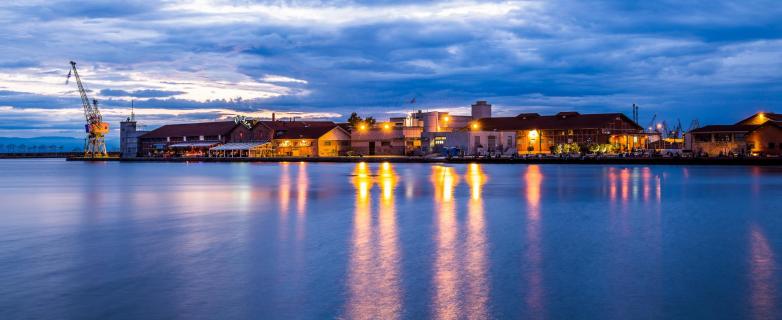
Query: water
<point x="319" y="241"/>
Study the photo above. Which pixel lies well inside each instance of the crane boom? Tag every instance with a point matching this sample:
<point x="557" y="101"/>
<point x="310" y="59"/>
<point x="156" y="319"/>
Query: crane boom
<point x="95" y="145"/>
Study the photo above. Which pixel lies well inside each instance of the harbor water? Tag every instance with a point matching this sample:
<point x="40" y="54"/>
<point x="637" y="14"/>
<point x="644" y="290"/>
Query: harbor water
<point x="113" y="240"/>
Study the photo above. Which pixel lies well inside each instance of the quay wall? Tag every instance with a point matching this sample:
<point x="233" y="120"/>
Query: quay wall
<point x="618" y="161"/>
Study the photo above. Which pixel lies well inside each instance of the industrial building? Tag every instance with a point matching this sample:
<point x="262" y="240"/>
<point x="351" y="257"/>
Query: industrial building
<point x="532" y="133"/>
<point x="760" y="134"/>
<point x="246" y="138"/>
<point x="414" y="134"/>
<point x="129" y="137"/>
<point x="536" y="133"/>
<point x="418" y="133"/>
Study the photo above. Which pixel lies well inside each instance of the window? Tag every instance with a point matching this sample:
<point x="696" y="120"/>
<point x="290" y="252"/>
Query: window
<point x="510" y="142"/>
<point x="477" y="141"/>
<point x="439" y="140"/>
<point x="771" y="145"/>
<point x="704" y="137"/>
<point x="492" y="141"/>
<point x="327" y="143"/>
<point x="722" y="137"/>
<point x="385" y="143"/>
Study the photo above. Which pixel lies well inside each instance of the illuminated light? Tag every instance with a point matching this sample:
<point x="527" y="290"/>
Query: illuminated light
<point x="475" y="126"/>
<point x="386" y="126"/>
<point x="533" y="134"/>
<point x="659" y="126"/>
<point x="476" y="179"/>
<point x="446" y="118"/>
<point x="362" y="127"/>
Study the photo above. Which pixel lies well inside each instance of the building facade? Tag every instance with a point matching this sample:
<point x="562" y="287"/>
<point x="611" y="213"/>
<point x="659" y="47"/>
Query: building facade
<point x="536" y="134"/>
<point x="386" y="139"/>
<point x="758" y="135"/>
<point x="129" y="142"/>
<point x="311" y="141"/>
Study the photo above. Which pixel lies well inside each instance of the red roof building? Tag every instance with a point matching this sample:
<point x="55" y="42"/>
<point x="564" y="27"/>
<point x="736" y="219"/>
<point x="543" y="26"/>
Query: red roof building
<point x="542" y="134"/>
<point x="760" y="134"/>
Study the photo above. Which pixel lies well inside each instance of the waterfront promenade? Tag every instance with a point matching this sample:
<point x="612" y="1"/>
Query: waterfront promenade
<point x="520" y="160"/>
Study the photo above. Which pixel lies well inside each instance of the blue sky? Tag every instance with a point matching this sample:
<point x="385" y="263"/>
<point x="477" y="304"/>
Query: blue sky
<point x="716" y="61"/>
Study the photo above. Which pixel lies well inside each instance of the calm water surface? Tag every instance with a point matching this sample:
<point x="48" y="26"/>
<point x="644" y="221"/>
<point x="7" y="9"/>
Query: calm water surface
<point x="386" y="241"/>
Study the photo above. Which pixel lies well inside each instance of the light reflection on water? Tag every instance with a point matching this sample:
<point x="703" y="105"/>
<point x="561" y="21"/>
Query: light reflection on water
<point x="388" y="241"/>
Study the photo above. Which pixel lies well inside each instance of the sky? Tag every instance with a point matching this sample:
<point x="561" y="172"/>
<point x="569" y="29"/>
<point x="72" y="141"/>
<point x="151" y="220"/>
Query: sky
<point x="179" y="61"/>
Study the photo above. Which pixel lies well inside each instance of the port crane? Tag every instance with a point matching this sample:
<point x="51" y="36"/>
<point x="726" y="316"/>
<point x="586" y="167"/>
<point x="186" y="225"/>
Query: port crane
<point x="96" y="129"/>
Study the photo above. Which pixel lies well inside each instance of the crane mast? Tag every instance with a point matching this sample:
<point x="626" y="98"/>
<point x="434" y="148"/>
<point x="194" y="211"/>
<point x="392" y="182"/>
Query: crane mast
<point x="96" y="129"/>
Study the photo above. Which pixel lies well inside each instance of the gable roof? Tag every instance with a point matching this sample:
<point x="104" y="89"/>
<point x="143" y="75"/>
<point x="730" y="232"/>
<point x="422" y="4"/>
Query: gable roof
<point x="192" y="129"/>
<point x="733" y="127"/>
<point x="562" y="120"/>
<point x="726" y="128"/>
<point x="768" y="115"/>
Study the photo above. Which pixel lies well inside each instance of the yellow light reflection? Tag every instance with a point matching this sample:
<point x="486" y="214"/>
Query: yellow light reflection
<point x="360" y="302"/>
<point x="762" y="285"/>
<point x="624" y="176"/>
<point x="302" y="189"/>
<point x="533" y="179"/>
<point x="389" y="302"/>
<point x="445" y="180"/>
<point x="284" y="195"/>
<point x="476" y="179"/>
<point x="446" y="275"/>
<point x="476" y="248"/>
<point x="373" y="275"/>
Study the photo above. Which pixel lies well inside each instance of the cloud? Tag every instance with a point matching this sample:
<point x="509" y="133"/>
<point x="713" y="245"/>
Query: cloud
<point x="712" y="60"/>
<point x="146" y="93"/>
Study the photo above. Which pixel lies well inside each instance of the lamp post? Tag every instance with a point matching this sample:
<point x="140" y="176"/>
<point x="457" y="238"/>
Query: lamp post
<point x="532" y="135"/>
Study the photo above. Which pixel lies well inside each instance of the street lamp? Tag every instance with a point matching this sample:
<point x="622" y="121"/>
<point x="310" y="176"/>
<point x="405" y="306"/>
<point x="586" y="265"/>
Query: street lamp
<point x="475" y="126"/>
<point x="532" y="135"/>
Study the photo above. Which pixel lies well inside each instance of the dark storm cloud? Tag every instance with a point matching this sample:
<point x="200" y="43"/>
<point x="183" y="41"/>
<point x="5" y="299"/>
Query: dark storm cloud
<point x="713" y="60"/>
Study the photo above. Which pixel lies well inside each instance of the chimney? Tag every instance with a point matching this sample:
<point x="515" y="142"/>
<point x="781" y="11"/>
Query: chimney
<point x="273" y="117"/>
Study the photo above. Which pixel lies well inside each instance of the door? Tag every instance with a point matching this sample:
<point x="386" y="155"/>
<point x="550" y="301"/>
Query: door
<point x="371" y="148"/>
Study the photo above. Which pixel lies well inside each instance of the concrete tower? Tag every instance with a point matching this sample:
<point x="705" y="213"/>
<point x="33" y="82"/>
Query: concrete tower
<point x="481" y="109"/>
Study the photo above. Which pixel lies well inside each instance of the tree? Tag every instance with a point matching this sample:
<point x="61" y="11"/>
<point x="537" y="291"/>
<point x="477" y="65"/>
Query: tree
<point x="354" y="119"/>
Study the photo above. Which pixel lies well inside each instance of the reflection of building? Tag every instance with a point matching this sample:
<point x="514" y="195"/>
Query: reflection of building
<point x="759" y="134"/>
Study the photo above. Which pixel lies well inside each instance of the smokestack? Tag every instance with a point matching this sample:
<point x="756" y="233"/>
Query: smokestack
<point x="273" y="117"/>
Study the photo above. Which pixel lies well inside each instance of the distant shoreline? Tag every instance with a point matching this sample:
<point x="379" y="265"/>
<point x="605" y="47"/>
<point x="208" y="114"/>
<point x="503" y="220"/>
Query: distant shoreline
<point x="377" y="159"/>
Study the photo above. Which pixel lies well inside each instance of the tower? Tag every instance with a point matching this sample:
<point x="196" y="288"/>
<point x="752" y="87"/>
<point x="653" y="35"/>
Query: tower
<point x="481" y="109"/>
